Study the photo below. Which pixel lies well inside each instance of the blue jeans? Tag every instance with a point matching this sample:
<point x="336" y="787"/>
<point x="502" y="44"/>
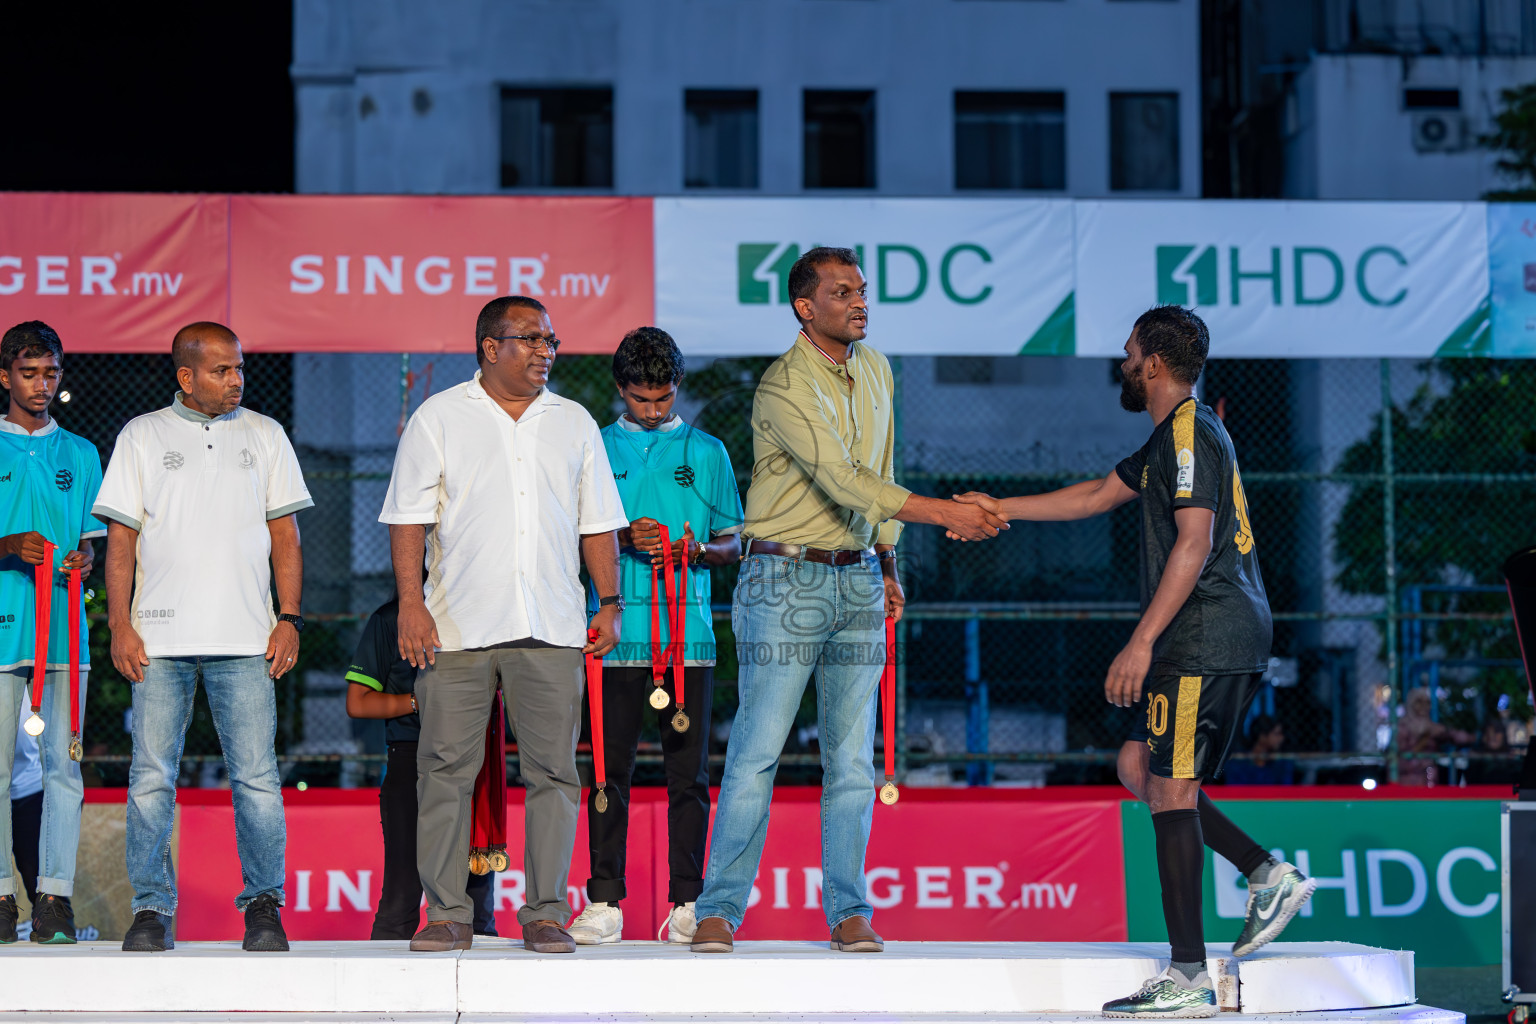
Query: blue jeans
<point x="791" y="616"/>
<point x="63" y="792"/>
<point x="244" y="705"/>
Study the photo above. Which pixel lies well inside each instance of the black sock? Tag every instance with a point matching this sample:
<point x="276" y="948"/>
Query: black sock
<point x="1180" y="867"/>
<point x="1223" y="836"/>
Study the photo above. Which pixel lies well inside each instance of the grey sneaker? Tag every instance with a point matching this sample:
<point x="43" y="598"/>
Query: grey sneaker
<point x="1271" y="908"/>
<point x="1163" y="997"/>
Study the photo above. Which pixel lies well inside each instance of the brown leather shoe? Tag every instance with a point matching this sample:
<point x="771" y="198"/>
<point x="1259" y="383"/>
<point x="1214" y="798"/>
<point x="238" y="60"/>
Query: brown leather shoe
<point x="713" y="936"/>
<point x="547" y="937"/>
<point x="854" y="935"/>
<point x="441" y="936"/>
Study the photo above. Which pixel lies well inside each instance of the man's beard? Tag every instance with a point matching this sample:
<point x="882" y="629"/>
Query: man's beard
<point x="1133" y="391"/>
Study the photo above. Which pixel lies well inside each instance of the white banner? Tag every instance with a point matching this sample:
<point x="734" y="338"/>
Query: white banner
<point x="946" y="276"/>
<point x="1288" y="279"/>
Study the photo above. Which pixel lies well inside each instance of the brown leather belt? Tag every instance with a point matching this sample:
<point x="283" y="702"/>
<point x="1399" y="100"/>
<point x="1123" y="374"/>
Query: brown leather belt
<point x="844" y="557"/>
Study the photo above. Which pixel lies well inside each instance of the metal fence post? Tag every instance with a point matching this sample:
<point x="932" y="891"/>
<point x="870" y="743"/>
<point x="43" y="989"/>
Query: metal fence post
<point x="1389" y="554"/>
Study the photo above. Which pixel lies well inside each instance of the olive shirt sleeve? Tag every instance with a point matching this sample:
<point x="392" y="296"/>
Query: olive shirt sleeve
<point x="791" y="418"/>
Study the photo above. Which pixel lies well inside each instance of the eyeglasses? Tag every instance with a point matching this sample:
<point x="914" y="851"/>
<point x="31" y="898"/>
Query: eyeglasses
<point x="532" y="342"/>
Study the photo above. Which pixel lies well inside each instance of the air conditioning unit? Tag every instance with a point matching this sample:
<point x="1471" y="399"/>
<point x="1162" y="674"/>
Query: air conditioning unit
<point x="1439" y="131"/>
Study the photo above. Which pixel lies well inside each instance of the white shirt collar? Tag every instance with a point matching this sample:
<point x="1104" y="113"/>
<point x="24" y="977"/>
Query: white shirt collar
<point x="666" y="426"/>
<point x="7" y="427"/>
<point x="477" y="390"/>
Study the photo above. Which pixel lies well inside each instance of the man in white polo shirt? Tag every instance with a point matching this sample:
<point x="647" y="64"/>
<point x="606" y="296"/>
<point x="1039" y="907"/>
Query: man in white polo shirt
<point x="505" y="489"/>
<point x="197" y="498"/>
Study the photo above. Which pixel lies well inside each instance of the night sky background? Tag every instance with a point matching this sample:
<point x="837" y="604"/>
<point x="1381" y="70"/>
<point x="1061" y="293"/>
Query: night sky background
<point x="168" y="97"/>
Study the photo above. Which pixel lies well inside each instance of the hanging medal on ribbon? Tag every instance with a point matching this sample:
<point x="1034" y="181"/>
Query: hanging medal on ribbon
<point x="595" y="708"/>
<point x="889" y="794"/>
<point x="76" y="611"/>
<point x="669" y="654"/>
<point x="42" y="578"/>
<point x="488" y="809"/>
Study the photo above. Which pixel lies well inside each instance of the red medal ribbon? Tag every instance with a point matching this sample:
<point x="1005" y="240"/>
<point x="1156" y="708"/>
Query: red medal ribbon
<point x="42" y="578"/>
<point x="888" y="697"/>
<point x="595" y="707"/>
<point x="75" y="612"/>
<point x="661" y="591"/>
<point x="677" y="604"/>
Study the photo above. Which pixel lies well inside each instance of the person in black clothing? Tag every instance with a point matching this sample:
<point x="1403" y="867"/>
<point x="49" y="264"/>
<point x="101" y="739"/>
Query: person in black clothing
<point x="1198" y="652"/>
<point x="381" y="684"/>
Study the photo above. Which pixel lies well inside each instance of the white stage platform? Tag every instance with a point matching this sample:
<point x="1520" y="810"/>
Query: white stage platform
<point x="953" y="982"/>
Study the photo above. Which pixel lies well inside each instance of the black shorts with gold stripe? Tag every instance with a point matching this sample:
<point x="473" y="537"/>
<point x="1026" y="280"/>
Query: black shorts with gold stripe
<point x="1193" y="721"/>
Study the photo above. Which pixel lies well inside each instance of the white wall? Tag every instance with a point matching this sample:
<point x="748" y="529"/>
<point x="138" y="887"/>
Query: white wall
<point x="1350" y="138"/>
<point x="914" y="53"/>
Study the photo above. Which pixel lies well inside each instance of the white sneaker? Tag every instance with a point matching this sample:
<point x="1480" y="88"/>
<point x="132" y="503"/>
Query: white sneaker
<point x="679" y="925"/>
<point x="597" y="924"/>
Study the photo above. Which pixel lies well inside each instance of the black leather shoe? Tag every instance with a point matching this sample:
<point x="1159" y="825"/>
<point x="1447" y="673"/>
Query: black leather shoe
<point x="264" y="926"/>
<point x="53" y="920"/>
<point x="149" y="933"/>
<point x="8" y="916"/>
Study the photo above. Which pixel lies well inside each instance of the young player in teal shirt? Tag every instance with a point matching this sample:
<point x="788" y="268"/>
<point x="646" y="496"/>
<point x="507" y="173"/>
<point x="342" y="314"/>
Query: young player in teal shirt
<point x="48" y="482"/>
<point x="674" y="475"/>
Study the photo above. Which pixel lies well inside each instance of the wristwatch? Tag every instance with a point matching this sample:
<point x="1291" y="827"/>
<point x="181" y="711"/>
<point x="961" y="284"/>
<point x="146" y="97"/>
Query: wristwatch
<point x="297" y="621"/>
<point x="616" y="599"/>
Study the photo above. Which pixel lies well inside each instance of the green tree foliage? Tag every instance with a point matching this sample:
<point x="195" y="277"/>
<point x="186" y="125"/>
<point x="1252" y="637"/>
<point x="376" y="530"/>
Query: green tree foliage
<point x="1476" y="417"/>
<point x="1514" y="136"/>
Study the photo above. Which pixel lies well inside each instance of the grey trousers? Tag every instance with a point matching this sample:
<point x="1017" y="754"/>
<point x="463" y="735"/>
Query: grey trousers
<point x="543" y="687"/>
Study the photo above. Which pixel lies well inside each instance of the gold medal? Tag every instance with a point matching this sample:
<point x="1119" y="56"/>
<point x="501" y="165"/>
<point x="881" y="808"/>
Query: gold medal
<point x="76" y="749"/>
<point x="601" y="802"/>
<point x="680" y="721"/>
<point x="889" y="794"/>
<point x="499" y="861"/>
<point x="659" y="698"/>
<point x="478" y="864"/>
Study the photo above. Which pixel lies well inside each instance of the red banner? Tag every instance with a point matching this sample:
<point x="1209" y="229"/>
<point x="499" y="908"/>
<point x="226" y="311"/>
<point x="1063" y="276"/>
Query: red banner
<point x="940" y="867"/>
<point x="113" y="273"/>
<point x="410" y="273"/>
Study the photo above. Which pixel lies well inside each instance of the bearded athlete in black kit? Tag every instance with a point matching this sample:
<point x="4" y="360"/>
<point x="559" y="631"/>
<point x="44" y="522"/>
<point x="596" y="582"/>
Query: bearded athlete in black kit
<point x="1198" y="652"/>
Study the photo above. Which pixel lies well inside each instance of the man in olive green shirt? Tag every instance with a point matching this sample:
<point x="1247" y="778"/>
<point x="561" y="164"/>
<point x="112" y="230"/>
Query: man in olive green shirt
<point x="818" y="580"/>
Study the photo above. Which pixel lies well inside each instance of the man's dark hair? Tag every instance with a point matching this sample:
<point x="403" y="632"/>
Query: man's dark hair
<point x="1262" y="725"/>
<point x="30" y="340"/>
<point x="494" y="313"/>
<point x="648" y="357"/>
<point x="805" y="275"/>
<point x="1176" y="335"/>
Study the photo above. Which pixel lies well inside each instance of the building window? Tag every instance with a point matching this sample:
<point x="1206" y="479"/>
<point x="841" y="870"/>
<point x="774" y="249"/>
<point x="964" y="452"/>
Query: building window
<point x="557" y="138"/>
<point x="1144" y="141"/>
<point x="720" y="138"/>
<point x="1010" y="140"/>
<point x="839" y="138"/>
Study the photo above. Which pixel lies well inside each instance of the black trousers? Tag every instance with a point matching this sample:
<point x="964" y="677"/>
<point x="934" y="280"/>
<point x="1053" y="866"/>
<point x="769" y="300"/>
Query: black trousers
<point x="686" y="757"/>
<point x="399" y="913"/>
<point x="26" y="829"/>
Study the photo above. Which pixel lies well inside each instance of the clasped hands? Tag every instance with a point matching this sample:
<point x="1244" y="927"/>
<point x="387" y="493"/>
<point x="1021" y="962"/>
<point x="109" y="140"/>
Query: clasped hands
<point x="974" y="516"/>
<point x="644" y="535"/>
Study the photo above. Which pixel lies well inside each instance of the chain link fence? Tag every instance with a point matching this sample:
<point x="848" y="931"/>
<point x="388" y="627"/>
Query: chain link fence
<point x="1384" y="496"/>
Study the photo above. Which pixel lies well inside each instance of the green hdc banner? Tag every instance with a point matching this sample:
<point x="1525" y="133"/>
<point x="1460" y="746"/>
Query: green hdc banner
<point x="1401" y="874"/>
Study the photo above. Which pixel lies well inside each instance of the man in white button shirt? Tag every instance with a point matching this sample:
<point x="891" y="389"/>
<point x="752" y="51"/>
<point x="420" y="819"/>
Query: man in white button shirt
<point x="197" y="497"/>
<point x="505" y="489"/>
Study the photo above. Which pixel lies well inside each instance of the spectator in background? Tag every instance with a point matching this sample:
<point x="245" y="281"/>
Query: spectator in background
<point x="1420" y="734"/>
<point x="381" y="684"/>
<point x="1496" y="767"/>
<point x="26" y="810"/>
<point x="1261" y="768"/>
